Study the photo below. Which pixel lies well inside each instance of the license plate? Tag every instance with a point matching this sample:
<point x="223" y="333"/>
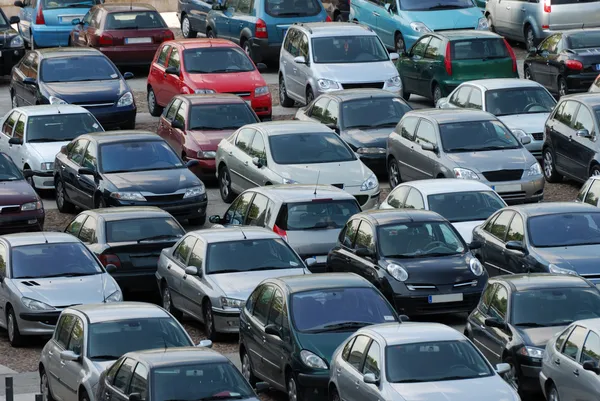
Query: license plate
<point x="248" y="102"/>
<point x="321" y="259"/>
<point x="507" y="188"/>
<point x="436" y="299"/>
<point x="597" y="67"/>
<point x="131" y="41"/>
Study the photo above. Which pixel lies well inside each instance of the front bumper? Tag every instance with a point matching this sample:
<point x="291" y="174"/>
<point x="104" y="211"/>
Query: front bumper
<point x="535" y="148"/>
<point x="37" y="323"/>
<point x="22" y="222"/>
<point x="581" y="82"/>
<point x="43" y="179"/>
<point x="531" y="189"/>
<point x="113" y="117"/>
<point x="8" y="58"/>
<point x="529" y="379"/>
<point x="392" y="89"/>
<point x="366" y="199"/>
<point x="226" y="321"/>
<point x="375" y="162"/>
<point x="51" y="36"/>
<point x="205" y="169"/>
<point x="131" y="55"/>
<point x="182" y="209"/>
<point x="418" y="303"/>
<point x="314" y="380"/>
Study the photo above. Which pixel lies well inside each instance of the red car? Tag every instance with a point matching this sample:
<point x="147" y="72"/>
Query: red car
<point x="195" y="124"/>
<point x="127" y="34"/>
<point x="206" y="66"/>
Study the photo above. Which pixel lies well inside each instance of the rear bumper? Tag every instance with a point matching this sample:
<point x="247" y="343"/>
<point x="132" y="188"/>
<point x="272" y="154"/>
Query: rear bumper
<point x="133" y="55"/>
<point x="137" y="281"/>
<point x="532" y="190"/>
<point x="8" y="58"/>
<point x="51" y="36"/>
<point x="314" y="380"/>
<point x="581" y="82"/>
<point x="206" y="168"/>
<point x="529" y="379"/>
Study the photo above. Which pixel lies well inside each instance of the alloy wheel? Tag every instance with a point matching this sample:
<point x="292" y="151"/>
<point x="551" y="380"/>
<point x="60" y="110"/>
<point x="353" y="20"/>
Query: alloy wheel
<point x="60" y="196"/>
<point x="529" y="38"/>
<point x="246" y="369"/>
<point x="310" y="96"/>
<point x="225" y="182"/>
<point x="527" y="74"/>
<point x="437" y="94"/>
<point x="185" y="27"/>
<point x="553" y="394"/>
<point x="166" y="299"/>
<point x="209" y="322"/>
<point x="394" y="174"/>
<point x="151" y="100"/>
<point x="248" y="49"/>
<point x="281" y="90"/>
<point x="292" y="389"/>
<point x="548" y="164"/>
<point x="45" y="387"/>
<point x="10" y="326"/>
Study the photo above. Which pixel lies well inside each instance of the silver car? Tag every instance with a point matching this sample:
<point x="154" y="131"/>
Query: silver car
<point x="209" y="274"/>
<point x="43" y="273"/>
<point x="465" y="144"/>
<point x="571" y="364"/>
<point x="522" y="105"/>
<point x="316" y="58"/>
<point x="414" y="361"/>
<point x="292" y="152"/>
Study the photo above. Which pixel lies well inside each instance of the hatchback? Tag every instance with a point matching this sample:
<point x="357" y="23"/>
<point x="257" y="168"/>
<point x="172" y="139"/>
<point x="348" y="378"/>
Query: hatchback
<point x="13" y="46"/>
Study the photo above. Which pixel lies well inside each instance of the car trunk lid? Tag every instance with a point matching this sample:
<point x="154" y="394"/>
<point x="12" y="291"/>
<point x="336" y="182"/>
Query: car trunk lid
<point x="136" y="256"/>
<point x="571" y="14"/>
<point x="481" y="58"/>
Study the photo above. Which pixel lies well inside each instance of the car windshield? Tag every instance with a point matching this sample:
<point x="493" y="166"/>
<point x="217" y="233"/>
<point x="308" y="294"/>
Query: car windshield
<point x="60" y="127"/>
<point x="292" y="8"/>
<point x="503" y="102"/>
<point x="339" y="309"/>
<point x="554" y="306"/>
<point x="134" y="20"/>
<point x="212" y="60"/>
<point x="199" y="382"/>
<point x="51" y="4"/>
<point x="309" y="148"/>
<point x="478" y="49"/>
<point x="348" y="49"/>
<point x="419" y="240"/>
<point x="8" y="169"/>
<point x="137" y="156"/>
<point x="431" y="5"/>
<point x="221" y="116"/>
<point x="320" y="214"/>
<point x="473" y="136"/>
<point x="434" y="361"/>
<point x="250" y="255"/>
<point x="145" y="229"/>
<point x="465" y="206"/>
<point x="77" y="69"/>
<point x="110" y="340"/>
<point x="587" y="39"/>
<point x="373" y="112"/>
<point x="564" y="229"/>
<point x="65" y="259"/>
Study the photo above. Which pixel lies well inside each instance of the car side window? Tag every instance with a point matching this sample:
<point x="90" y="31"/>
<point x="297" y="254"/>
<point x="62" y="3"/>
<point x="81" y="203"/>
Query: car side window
<point x="397" y="196"/>
<point x="462" y="97"/>
<point x="261" y="308"/>
<point x="20" y="127"/>
<point x="88" y="17"/>
<point x="560" y="341"/>
<point x="96" y="19"/>
<point x="63" y="330"/>
<point x="486" y="298"/>
<point x="418" y="50"/>
<point x="181" y="114"/>
<point x="244" y="139"/>
<point x="162" y="57"/>
<point x="490" y="223"/>
<point x="174" y="59"/>
<point x="584" y="120"/>
<point x="244" y="6"/>
<point x="90" y="158"/>
<point x="257" y="211"/>
<point x="592" y="196"/>
<point x="33" y="71"/>
<point x="236" y="215"/>
<point x="76" y="152"/>
<point x="591" y="349"/>
<point x="277" y="310"/>
<point x="139" y="381"/>
<point x="414" y="200"/>
<point x="475" y="99"/>
<point x="318" y="110"/>
<point x="25" y="65"/>
<point x="575" y="342"/>
<point x="350" y="232"/>
<point x="373" y="360"/>
<point x="516" y="231"/>
<point x="347" y="348"/>
<point x="332" y="113"/>
<point x="257" y="149"/>
<point x="76" y="339"/>
<point x="499" y="304"/>
<point x="123" y="375"/>
<point x="88" y="231"/>
<point x="550" y="43"/>
<point x="425" y="133"/>
<point x="500" y="225"/>
<point x="303" y="47"/>
<point x="197" y="255"/>
<point x="408" y="127"/>
<point x="3" y="258"/>
<point x="110" y="375"/>
<point x="74" y="227"/>
<point x="566" y="114"/>
<point x="9" y="124"/>
<point x="253" y="297"/>
<point x="434" y="49"/>
<point x="173" y="109"/>
<point x="294" y="45"/>
<point x="365" y="237"/>
<point x="183" y="250"/>
<point x="583" y="191"/>
<point x="357" y="354"/>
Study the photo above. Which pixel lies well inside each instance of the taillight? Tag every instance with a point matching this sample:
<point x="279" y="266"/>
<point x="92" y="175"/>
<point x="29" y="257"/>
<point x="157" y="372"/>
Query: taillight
<point x="547" y="6"/>
<point x="168" y="35"/>
<point x="280" y="232"/>
<point x="39" y="17"/>
<point x="328" y="19"/>
<point x="105" y="40"/>
<point x="109" y="259"/>
<point x="261" y="29"/>
<point x="512" y="55"/>
<point x="574" y="65"/>
<point x="448" y="60"/>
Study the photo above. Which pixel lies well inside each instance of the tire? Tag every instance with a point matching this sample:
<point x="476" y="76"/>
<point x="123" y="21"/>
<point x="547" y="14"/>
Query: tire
<point x="310" y="95"/>
<point x="338" y="18"/>
<point x="12" y="327"/>
<point x="210" y="34"/>
<point x="563" y="89"/>
<point x="83" y="396"/>
<point x="225" y="185"/>
<point x="334" y="395"/>
<point x="100" y="203"/>
<point x="186" y="28"/>
<point x="153" y="107"/>
<point x="247" y="369"/>
<point x="399" y="43"/>
<point x="490" y="22"/>
<point x="13" y="100"/>
<point x="64" y="206"/>
<point x="284" y="100"/>
<point x="31" y="182"/>
<point x="45" y="386"/>
<point x="595" y="170"/>
<point x="529" y="36"/>
<point x="198" y="221"/>
<point x="294" y="392"/>
<point x="247" y="46"/>
<point x="394" y="173"/>
<point x="436" y="93"/>
<point x="527" y="74"/>
<point x="549" y="167"/>
<point x="553" y="393"/>
<point x="209" y="322"/>
<point x="167" y="303"/>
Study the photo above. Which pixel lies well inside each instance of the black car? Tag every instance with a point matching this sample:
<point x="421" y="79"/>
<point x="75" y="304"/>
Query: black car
<point x="127" y="168"/>
<point x="131" y="238"/>
<point x="81" y="76"/>
<point x="291" y="326"/>
<point x="362" y="117"/>
<point x="416" y="258"/>
<point x="557" y="237"/>
<point x="570" y="146"/>
<point x="566" y="61"/>
<point x="518" y="314"/>
<point x="12" y="45"/>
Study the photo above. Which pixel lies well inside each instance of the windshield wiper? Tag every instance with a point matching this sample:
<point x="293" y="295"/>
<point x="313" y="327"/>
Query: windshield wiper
<point x="234" y="396"/>
<point x="561" y="323"/>
<point x="227" y="271"/>
<point x="359" y="126"/>
<point x="10" y="179"/>
<point x="340" y="326"/>
<point x="157" y="237"/>
<point x="388" y="124"/>
<point x="434" y="254"/>
<point x="399" y="255"/>
<point x="445" y="7"/>
<point x="530" y="324"/>
<point x="408" y="381"/>
<point x="461" y="150"/>
<point x="496" y="148"/>
<point x="72" y="274"/>
<point x="105" y="357"/>
<point x="48" y="140"/>
<point x="452" y="378"/>
<point x="256" y="269"/>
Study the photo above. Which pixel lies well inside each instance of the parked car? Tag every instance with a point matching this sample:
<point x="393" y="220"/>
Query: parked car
<point x="260" y="26"/>
<point x="518" y="314"/>
<point x="210" y="274"/>
<point x="21" y="208"/>
<point x="400" y="23"/>
<point x="33" y="135"/>
<point x="43" y="273"/>
<point x="319" y="58"/>
<point x="127" y="168"/>
<point x="48" y="23"/>
<point x="590" y="191"/>
<point x="308" y="217"/>
<point x="362" y="117"/>
<point x="13" y="46"/>
<point x="83" y="77"/>
<point x="570" y="147"/>
<point x="291" y="326"/>
<point x="438" y="62"/>
<point x="195" y="124"/>
<point x="464" y="203"/>
<point x="561" y="238"/>
<point x="204" y="67"/>
<point x="522" y="105"/>
<point x="130" y="238"/>
<point x="565" y="62"/>
<point x="337" y="10"/>
<point x="90" y="338"/>
<point x="127" y="34"/>
<point x="423" y="361"/>
<point x="570" y="369"/>
<point x="192" y="16"/>
<point x="595" y="86"/>
<point x="465" y="144"/>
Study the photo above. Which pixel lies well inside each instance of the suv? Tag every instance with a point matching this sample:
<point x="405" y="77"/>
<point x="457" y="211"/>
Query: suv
<point x="312" y="56"/>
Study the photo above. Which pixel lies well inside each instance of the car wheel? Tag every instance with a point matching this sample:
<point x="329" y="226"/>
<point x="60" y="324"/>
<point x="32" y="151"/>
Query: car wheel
<point x="247" y="369"/>
<point x="527" y="73"/>
<point x="338" y="18"/>
<point x="209" y="321"/>
<point x="293" y="391"/>
<point x="186" y="28"/>
<point x="553" y="393"/>
<point x="14" y="335"/>
<point x="210" y="34"/>
<point x="550" y="172"/>
<point x="167" y="303"/>
<point x="64" y="206"/>
<point x="153" y="107"/>
<point x="512" y="377"/>
<point x="247" y="46"/>
<point x="13" y="100"/>
<point x="399" y="44"/>
<point x="436" y="93"/>
<point x="31" y="182"/>
<point x="225" y="185"/>
<point x="490" y="22"/>
<point x="334" y="395"/>
<point x="595" y="170"/>
<point x="45" y="386"/>
<point x="84" y="396"/>
<point x="563" y="89"/>
<point x="530" y="39"/>
<point x="405" y="94"/>
<point x="100" y="203"/>
<point x="310" y="95"/>
<point x="199" y="221"/>
<point x="394" y="173"/>
<point x="284" y="100"/>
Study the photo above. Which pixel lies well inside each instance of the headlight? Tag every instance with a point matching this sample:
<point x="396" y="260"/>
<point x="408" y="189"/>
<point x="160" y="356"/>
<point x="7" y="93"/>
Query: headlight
<point x="35" y="305"/>
<point x="125" y="100"/>
<point x="327" y="84"/>
<point x="397" y="272"/>
<point x="194" y="191"/>
<point x="482" y="24"/>
<point x="116" y="296"/>
<point x="465" y="174"/>
<point x="261" y="91"/>
<point x="552" y="268"/>
<point x="232" y="303"/>
<point x="371" y="151"/>
<point x="311" y="360"/>
<point x="209" y="154"/>
<point x="419" y="27"/>
<point x="204" y="91"/>
<point x="56" y="100"/>
<point x="128" y="196"/>
<point x="476" y="267"/>
<point x="17" y="41"/>
<point x="370" y="183"/>
<point x="47" y="166"/>
<point x="31" y="206"/>
<point x="533" y="170"/>
<point x="395" y="81"/>
<point x="289" y="181"/>
<point x="532" y="352"/>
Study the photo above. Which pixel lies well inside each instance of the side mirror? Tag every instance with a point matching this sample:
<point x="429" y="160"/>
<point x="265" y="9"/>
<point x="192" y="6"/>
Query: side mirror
<point x="272" y="330"/>
<point x="502" y="368"/>
<point x="110" y="268"/>
<point x="388" y="7"/>
<point x="363" y="253"/>
<point x="591" y="366"/>
<point x="394" y="56"/>
<point x="310" y="261"/>
<point x="215" y="219"/>
<point x="261" y="387"/>
<point x="29" y="81"/>
<point x="69" y="356"/>
<point x="15" y="141"/>
<point x="334" y="127"/>
<point x="516" y="246"/>
<point x="495" y="322"/>
<point x="14" y="20"/>
<point x="63" y="149"/>
<point x="135" y="397"/>
<point x="19" y="4"/>
<point x="404" y="318"/>
<point x="192" y="163"/>
<point x="178" y="124"/>
<point x="75" y="21"/>
<point x="128" y="75"/>
<point x="475" y="245"/>
<point x="429" y="147"/>
<point x="525" y="140"/>
<point x="262" y="67"/>
<point x="257" y="162"/>
<point x="86" y="171"/>
<point x="27" y="173"/>
<point x="583" y="133"/>
<point x="300" y="60"/>
<point x="172" y="70"/>
<point x="191" y="270"/>
<point x="370" y="378"/>
<point x="205" y="344"/>
<point x="442" y="102"/>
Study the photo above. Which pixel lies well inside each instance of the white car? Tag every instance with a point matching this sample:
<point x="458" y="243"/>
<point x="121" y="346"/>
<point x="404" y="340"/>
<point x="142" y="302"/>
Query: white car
<point x="33" y="135"/>
<point x="415" y="361"/>
<point x="464" y="203"/>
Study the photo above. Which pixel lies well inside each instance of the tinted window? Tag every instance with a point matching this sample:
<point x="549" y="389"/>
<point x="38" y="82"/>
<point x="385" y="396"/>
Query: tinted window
<point x="3" y="258"/>
<point x="589" y="40"/>
<point x="357" y="354"/>
<point x="502" y="102"/>
<point x="465" y="206"/>
<point x="500" y="226"/>
<point x="53" y="4"/>
<point x="134" y="20"/>
<point x="257" y="211"/>
<point x="162" y="57"/>
<point x="63" y="330"/>
<point x="567" y="112"/>
<point x="477" y="49"/>
<point x="88" y="231"/>
<point x="139" y="381"/>
<point x="74" y="227"/>
<point x="138" y="156"/>
<point x="373" y="360"/>
<point x="593" y="194"/>
<point x="408" y="127"/>
<point x="197" y="255"/>
<point x="244" y="139"/>
<point x="582" y="192"/>
<point x="550" y="43"/>
<point x="475" y="101"/>
<point x="499" y="304"/>
<point x="348" y="49"/>
<point x="516" y="231"/>
<point x="20" y="127"/>
<point x="584" y="120"/>
<point x="413" y="240"/>
<point x="347" y="348"/>
<point x="591" y="349"/>
<point x="560" y="341"/>
<point x="426" y="133"/>
<point x="575" y="342"/>
<point x="78" y="68"/>
<point x="145" y="229"/>
<point x="276" y="313"/>
<point x="220" y="116"/>
<point x="373" y="112"/>
<point x="9" y="123"/>
<point x="365" y="238"/>
<point x="211" y="60"/>
<point x="77" y="150"/>
<point x="477" y="135"/>
<point x="566" y="229"/>
<point x="486" y="298"/>
<point x="461" y="97"/>
<point x="317" y="215"/>
<point x="90" y="159"/>
<point x="244" y="6"/>
<point x="172" y="109"/>
<point x="414" y="200"/>
<point x="319" y="107"/>
<point x="434" y="49"/>
<point x="350" y="233"/>
<point x="279" y="8"/>
<point x="76" y="340"/>
<point x="60" y="127"/>
<point x="37" y="261"/>
<point x="332" y="113"/>
<point x="261" y="308"/>
<point x="181" y="115"/>
<point x="309" y="148"/>
<point x="123" y="375"/>
<point x="257" y="149"/>
<point x="182" y="252"/>
<point x="236" y="215"/>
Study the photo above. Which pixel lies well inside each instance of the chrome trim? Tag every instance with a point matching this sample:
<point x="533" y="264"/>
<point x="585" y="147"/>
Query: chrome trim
<point x="472" y="283"/>
<point x="95" y="105"/>
<point x="420" y="287"/>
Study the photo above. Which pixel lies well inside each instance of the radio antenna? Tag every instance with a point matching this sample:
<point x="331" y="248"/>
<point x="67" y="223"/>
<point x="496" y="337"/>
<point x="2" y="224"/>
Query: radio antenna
<point x="317" y="184"/>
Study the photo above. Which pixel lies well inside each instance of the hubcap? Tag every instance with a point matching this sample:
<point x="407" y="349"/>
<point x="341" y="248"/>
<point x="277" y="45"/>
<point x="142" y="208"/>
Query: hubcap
<point x="548" y="164"/>
<point x="151" y="100"/>
<point x="185" y="27"/>
<point x="11" y="327"/>
<point x="394" y="176"/>
<point x="208" y="321"/>
<point x="530" y="38"/>
<point x="562" y="90"/>
<point x="166" y="299"/>
<point x="246" y="367"/>
<point x="400" y="44"/>
<point x="292" y="393"/>
<point x="553" y="396"/>
<point x="59" y="194"/>
<point x="309" y="97"/>
<point x="281" y="91"/>
<point x="225" y="184"/>
<point x="595" y="171"/>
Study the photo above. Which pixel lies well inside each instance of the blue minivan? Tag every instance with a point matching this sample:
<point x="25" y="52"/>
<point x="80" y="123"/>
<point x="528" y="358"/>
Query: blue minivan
<point x="399" y="23"/>
<point x="259" y="26"/>
<point x="48" y="23"/>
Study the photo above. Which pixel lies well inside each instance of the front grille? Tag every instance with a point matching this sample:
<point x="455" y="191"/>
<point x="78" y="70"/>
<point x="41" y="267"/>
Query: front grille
<point x="362" y="199"/>
<point x="421" y="305"/>
<point x="10" y="209"/>
<point x="240" y="94"/>
<point x="340" y="186"/>
<point x="93" y="104"/>
<point x="538" y="136"/>
<point x="164" y="198"/>
<point x="513" y="196"/>
<point x="503" y="175"/>
<point x="373" y="85"/>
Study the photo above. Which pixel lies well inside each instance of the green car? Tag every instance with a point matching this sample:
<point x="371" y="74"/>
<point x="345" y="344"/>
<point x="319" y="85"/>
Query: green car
<point x="480" y="3"/>
<point x="440" y="61"/>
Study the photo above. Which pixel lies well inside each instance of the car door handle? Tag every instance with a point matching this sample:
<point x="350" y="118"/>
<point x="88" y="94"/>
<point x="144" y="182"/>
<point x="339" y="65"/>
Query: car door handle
<point x="50" y="353"/>
<point x="357" y="383"/>
<point x="523" y="9"/>
<point x="62" y="363"/>
<point x="482" y="326"/>
<point x="230" y="153"/>
<point x="557" y="361"/>
<point x="295" y="70"/>
<point x="570" y="138"/>
<point x="168" y="267"/>
<point x="264" y="339"/>
<point x="576" y="372"/>
<point x="246" y="162"/>
<point x="375" y="14"/>
<point x="508" y="7"/>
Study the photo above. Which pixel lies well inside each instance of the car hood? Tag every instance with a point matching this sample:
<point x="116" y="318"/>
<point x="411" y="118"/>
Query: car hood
<point x="435" y="270"/>
<point x="209" y="140"/>
<point x="240" y="285"/>
<point x="16" y="193"/>
<point x="509" y="159"/>
<point x="322" y="344"/>
<point x="494" y="388"/>
<point x="438" y="20"/>
<point x="530" y="123"/>
<point x="356" y="72"/>
<point x="465" y="229"/>
<point x="583" y="259"/>
<point x="351" y="173"/>
<point x="154" y="181"/>
<point x="101" y="366"/>
<point x="374" y="138"/>
<point x="106" y="91"/>
<point x="228" y="82"/>
<point x="47" y="150"/>
<point x="538" y="336"/>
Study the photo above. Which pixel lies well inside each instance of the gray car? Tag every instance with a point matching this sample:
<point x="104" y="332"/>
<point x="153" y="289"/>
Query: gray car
<point x="321" y="57"/>
<point x="209" y="274"/>
<point x="465" y="144"/>
<point x="571" y="364"/>
<point x="43" y="273"/>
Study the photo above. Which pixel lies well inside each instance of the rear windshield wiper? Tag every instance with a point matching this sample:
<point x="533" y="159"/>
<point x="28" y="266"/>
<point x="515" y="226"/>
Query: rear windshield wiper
<point x="48" y="140"/>
<point x="289" y="14"/>
<point x="157" y="237"/>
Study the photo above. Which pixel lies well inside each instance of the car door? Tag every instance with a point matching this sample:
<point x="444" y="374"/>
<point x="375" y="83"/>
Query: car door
<point x="172" y="82"/>
<point x="423" y="161"/>
<point x="517" y="16"/>
<point x="365" y="266"/>
<point x="71" y="371"/>
<point x="237" y="162"/>
<point x="241" y="20"/>
<point x="289" y="50"/>
<point x="372" y="365"/>
<point x="116" y="390"/>
<point x="350" y="377"/>
<point x="19" y="73"/>
<point x="502" y="16"/>
<point x="70" y="169"/>
<point x="494" y="339"/>
<point x="493" y="251"/>
<point x="277" y="346"/>
<point x="18" y="133"/>
<point x="59" y="343"/>
<point x="543" y="70"/>
<point x="302" y="72"/>
<point x="177" y="136"/>
<point x="257" y="176"/>
<point x="156" y="76"/>
<point x="87" y="184"/>
<point x="7" y="131"/>
<point x="476" y="327"/>
<point x="584" y="147"/>
<point x="339" y="259"/>
<point x="30" y="92"/>
<point x="176" y="270"/>
<point x="79" y="32"/>
<point x="431" y="62"/>
<point x="197" y="10"/>
<point x="193" y="287"/>
<point x="589" y="383"/>
<point x="257" y="346"/>
<point x="166" y="123"/>
<point x="565" y="378"/>
<point x="387" y="22"/>
<point x="409" y="66"/>
<point x="403" y="145"/>
<point x="561" y="129"/>
<point x="514" y="258"/>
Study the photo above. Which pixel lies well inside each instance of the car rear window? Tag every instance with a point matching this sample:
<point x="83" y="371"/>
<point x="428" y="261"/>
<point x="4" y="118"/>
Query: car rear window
<point x="134" y="20"/>
<point x="472" y="49"/>
<point x="291" y="8"/>
<point x="147" y="229"/>
<point x="319" y="214"/>
<point x="51" y="4"/>
<point x="584" y="40"/>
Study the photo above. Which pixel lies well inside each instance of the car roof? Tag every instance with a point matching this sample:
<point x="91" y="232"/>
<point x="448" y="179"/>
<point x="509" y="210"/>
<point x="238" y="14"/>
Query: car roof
<point x="165" y="357"/>
<point x="235" y="234"/>
<point x="302" y="192"/>
<point x="322" y="29"/>
<point x="203" y="42"/>
<point x="51" y="109"/>
<point x="53" y="52"/>
<point x="503" y="83"/>
<point x="352" y="94"/>
<point x="539" y="209"/>
<point x="115" y="311"/>
<point x="445" y="116"/>
<point x="533" y="281"/>
<point x="412" y="332"/>
<point x="589" y="98"/>
<point x="216" y="98"/>
<point x="273" y="128"/>
<point x="390" y="216"/>
<point x="112" y="7"/>
<point x="593" y="324"/>
<point x="321" y="281"/>
<point x="460" y="34"/>
<point x="128" y="212"/>
<point x="120" y="136"/>
<point x="36" y="238"/>
<point x="447" y="185"/>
